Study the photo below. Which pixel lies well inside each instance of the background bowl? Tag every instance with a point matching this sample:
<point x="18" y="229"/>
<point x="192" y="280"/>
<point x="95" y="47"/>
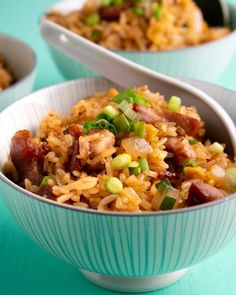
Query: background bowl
<point x="205" y="62"/>
<point x="22" y="61"/>
<point x="124" y="252"/>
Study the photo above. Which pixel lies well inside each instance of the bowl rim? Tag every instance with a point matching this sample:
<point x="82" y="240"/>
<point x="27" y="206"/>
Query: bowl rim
<point x="231" y="35"/>
<point x="35" y="197"/>
<point x="32" y="69"/>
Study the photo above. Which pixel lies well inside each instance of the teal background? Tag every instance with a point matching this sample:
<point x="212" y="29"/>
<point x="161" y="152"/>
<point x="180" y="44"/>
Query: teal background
<point x="27" y="269"/>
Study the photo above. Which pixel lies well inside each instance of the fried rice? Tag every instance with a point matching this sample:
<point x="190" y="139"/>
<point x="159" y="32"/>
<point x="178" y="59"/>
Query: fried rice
<point x="131" y="151"/>
<point x="6" y="76"/>
<point x="140" y="25"/>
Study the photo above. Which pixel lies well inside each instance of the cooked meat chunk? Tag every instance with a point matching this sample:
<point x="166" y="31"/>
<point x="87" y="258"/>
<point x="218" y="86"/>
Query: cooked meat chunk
<point x="28" y="156"/>
<point x="112" y="13"/>
<point x="146" y="114"/>
<point x="75" y="164"/>
<point x="181" y="149"/>
<point x="74" y="130"/>
<point x="46" y="191"/>
<point x="189" y="124"/>
<point x="102" y="139"/>
<point x="200" y="193"/>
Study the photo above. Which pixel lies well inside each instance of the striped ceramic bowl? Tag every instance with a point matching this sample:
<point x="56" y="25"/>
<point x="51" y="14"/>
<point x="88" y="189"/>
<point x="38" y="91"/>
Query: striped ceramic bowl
<point x="22" y="61"/>
<point x="198" y="62"/>
<point x="125" y="252"/>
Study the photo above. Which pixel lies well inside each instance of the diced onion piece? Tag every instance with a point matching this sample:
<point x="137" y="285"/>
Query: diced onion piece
<point x="230" y="178"/>
<point x="216" y="148"/>
<point x="174" y="103"/>
<point x="113" y="185"/>
<point x="121" y="161"/>
<point x="136" y="147"/>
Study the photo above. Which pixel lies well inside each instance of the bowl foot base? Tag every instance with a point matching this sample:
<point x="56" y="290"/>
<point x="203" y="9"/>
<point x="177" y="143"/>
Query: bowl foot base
<point x="134" y="284"/>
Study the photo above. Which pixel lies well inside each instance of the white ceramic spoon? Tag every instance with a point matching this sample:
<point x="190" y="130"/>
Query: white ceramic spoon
<point x="125" y="73"/>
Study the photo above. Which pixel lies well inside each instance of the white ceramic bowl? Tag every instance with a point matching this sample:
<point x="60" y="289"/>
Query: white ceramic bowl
<point x="204" y="62"/>
<point x="119" y="251"/>
<point x="22" y="61"/>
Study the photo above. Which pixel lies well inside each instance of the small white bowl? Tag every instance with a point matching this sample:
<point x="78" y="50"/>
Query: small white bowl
<point x="120" y="251"/>
<point x="22" y="61"/>
<point x="204" y="62"/>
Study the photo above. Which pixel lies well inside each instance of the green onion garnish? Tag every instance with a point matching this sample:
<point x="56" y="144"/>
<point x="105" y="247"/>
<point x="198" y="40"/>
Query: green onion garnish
<point x="121" y="123"/>
<point x="230" y="178"/>
<point x="138" y="10"/>
<point x="134" y="170"/>
<point x="216" y="148"/>
<point x="167" y="203"/>
<point x="45" y="180"/>
<point x="121" y="161"/>
<point x="143" y="163"/>
<point x="106" y="2"/>
<point x="157" y="10"/>
<point x="110" y="112"/>
<point x="127" y="110"/>
<point x="113" y="185"/>
<point x="139" y="129"/>
<point x="174" y="103"/>
<point x="89" y="125"/>
<point x="188" y="163"/>
<point x="164" y="186"/>
<point x="96" y="35"/>
<point x="103" y="124"/>
<point x="92" y="19"/>
<point x="116" y="2"/>
<point x="192" y="141"/>
<point x="129" y="93"/>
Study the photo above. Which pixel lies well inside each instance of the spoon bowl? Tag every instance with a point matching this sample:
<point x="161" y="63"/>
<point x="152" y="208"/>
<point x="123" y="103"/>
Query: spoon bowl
<point x="126" y="74"/>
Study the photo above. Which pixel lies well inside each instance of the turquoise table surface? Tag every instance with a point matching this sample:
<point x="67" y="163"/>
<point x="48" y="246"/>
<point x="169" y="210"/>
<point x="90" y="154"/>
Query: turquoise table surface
<point x="25" y="268"/>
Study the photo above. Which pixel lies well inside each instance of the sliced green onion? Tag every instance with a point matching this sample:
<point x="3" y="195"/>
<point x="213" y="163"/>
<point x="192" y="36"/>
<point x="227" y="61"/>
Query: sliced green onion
<point x="127" y="110"/>
<point x="116" y="2"/>
<point x="164" y="186"/>
<point x="187" y="163"/>
<point x="45" y="180"/>
<point x="157" y="10"/>
<point x="113" y="129"/>
<point x="192" y="141"/>
<point x="143" y="163"/>
<point x="140" y="129"/>
<point x="96" y="35"/>
<point x="110" y="112"/>
<point x="230" y="178"/>
<point x="138" y="10"/>
<point x="127" y="94"/>
<point x="106" y="2"/>
<point x="168" y="203"/>
<point x="92" y="19"/>
<point x="103" y="124"/>
<point x="216" y="148"/>
<point x="121" y="161"/>
<point x="134" y="170"/>
<point x="89" y="125"/>
<point x="113" y="185"/>
<point x="121" y="123"/>
<point x="174" y="103"/>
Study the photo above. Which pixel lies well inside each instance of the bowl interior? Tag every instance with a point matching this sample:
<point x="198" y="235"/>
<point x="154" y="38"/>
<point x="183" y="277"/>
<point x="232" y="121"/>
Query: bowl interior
<point x="19" y="57"/>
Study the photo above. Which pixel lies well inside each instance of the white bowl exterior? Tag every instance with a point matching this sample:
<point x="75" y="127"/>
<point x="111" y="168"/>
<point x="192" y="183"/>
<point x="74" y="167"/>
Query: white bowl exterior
<point x="127" y="245"/>
<point x="22" y="61"/>
<point x="199" y="62"/>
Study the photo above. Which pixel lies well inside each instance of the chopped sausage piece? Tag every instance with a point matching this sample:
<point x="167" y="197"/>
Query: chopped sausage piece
<point x="74" y="130"/>
<point x="112" y="13"/>
<point x="106" y="139"/>
<point x="181" y="149"/>
<point x="75" y="164"/>
<point x="189" y="124"/>
<point x="46" y="191"/>
<point x="146" y="114"/>
<point x="200" y="193"/>
<point x="28" y="156"/>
